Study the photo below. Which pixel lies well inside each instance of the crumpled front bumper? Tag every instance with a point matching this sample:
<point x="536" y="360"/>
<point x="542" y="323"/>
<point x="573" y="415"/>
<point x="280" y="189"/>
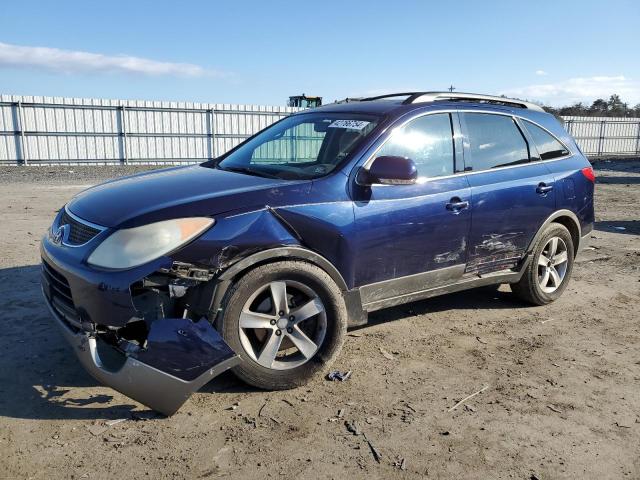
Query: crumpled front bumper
<point x="193" y="353"/>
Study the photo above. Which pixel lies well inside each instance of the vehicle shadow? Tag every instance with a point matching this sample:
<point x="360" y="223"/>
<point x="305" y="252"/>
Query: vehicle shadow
<point x="482" y="298"/>
<point x="627" y="227"/>
<point x="39" y="375"/>
<point x="629" y="165"/>
<point x="608" y="180"/>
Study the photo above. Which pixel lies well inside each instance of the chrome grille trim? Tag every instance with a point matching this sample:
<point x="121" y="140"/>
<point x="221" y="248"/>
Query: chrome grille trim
<point x="81" y="231"/>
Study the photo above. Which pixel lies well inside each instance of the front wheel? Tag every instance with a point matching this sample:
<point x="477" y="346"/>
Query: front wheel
<point x="287" y="321"/>
<point x="548" y="273"/>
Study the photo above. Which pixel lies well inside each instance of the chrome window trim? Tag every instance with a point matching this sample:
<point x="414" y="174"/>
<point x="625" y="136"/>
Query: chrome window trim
<point x="84" y="222"/>
<point x="367" y="163"/>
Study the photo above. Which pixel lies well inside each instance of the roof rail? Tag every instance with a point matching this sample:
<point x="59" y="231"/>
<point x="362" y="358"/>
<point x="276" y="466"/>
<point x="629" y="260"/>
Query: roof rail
<point x="389" y="95"/>
<point x="419" y="97"/>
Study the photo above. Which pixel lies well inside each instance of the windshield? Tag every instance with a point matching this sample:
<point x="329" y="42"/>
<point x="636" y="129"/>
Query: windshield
<point x="300" y="146"/>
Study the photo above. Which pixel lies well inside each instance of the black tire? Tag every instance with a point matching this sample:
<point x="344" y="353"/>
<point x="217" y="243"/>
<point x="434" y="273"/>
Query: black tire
<point x="529" y="288"/>
<point x="249" y="370"/>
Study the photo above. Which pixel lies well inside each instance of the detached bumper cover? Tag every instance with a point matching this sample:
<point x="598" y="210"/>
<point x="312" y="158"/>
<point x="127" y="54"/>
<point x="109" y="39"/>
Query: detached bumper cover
<point x="181" y="357"/>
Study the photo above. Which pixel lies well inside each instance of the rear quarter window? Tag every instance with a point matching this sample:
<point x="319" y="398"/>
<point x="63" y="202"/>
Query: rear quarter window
<point x="494" y="141"/>
<point x="549" y="147"/>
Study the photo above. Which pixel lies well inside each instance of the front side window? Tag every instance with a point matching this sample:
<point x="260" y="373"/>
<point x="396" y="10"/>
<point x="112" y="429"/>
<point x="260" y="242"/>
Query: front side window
<point x="428" y="141"/>
<point x="548" y="146"/>
<point x="494" y="141"/>
<point x="300" y="146"/>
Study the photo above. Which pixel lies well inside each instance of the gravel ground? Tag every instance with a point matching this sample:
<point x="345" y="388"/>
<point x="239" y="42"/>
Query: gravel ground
<point x="562" y="381"/>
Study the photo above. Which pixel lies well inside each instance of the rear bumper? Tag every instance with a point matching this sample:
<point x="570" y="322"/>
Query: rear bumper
<point x="143" y="380"/>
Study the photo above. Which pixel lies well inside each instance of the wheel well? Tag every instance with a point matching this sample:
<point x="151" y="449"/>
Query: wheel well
<point x="239" y="273"/>
<point x="283" y="254"/>
<point x="226" y="278"/>
<point x="570" y="224"/>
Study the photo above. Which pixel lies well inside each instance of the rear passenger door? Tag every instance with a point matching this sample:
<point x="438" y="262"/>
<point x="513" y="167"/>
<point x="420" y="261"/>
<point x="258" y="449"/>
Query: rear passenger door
<point x="512" y="193"/>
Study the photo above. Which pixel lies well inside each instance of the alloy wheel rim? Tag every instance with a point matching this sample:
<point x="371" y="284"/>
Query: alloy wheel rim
<point x="552" y="264"/>
<point x="282" y="325"/>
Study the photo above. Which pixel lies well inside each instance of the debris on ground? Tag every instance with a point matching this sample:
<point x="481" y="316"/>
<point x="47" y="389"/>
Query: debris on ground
<point x="233" y="407"/>
<point x="626" y="422"/>
<point x="338" y="376"/>
<point x="386" y="354"/>
<point x="374" y="451"/>
<point x="554" y="408"/>
<point x="467" y="398"/>
<point x="353" y="427"/>
<point x="400" y="463"/>
<point x="97" y="429"/>
<point x="111" y="423"/>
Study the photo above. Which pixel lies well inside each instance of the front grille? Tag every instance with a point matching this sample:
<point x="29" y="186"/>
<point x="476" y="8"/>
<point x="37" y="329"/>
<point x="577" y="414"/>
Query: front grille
<point x="59" y="294"/>
<point x="79" y="233"/>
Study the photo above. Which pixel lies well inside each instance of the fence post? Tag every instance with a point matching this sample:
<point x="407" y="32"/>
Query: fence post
<point x="123" y="135"/>
<point x="211" y="135"/>
<point x="570" y="126"/>
<point x="19" y="127"/>
<point x="638" y="141"/>
<point x="601" y="135"/>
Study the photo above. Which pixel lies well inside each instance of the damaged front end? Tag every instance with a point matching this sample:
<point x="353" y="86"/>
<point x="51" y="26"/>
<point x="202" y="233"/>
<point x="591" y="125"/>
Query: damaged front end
<point x="165" y="350"/>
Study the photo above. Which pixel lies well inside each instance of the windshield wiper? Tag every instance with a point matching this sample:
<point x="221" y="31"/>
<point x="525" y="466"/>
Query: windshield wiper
<point x="250" y="171"/>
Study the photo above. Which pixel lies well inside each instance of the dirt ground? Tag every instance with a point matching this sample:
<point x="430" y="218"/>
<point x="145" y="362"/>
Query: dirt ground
<point x="562" y="397"/>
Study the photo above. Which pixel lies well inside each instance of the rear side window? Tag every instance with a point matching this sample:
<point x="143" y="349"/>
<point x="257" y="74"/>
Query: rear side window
<point x="548" y="146"/>
<point x="494" y="141"/>
<point x="428" y="141"/>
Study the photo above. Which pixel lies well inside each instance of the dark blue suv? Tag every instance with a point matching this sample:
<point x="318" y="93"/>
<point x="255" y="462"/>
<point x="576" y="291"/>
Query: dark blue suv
<point x="259" y="260"/>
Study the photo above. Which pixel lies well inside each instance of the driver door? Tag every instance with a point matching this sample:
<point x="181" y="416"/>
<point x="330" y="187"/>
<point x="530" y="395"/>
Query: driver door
<point x="409" y="237"/>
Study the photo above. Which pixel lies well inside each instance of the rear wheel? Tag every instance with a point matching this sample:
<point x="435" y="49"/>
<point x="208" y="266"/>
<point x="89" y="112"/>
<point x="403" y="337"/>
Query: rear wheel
<point x="548" y="273"/>
<point x="287" y="321"/>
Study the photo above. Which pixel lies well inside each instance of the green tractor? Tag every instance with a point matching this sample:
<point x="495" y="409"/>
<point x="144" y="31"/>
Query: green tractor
<point x="302" y="101"/>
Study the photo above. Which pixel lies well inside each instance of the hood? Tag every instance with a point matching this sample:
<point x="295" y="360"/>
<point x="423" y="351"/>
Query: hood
<point x="177" y="192"/>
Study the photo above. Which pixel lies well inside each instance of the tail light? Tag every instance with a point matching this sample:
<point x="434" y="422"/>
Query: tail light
<point x="589" y="174"/>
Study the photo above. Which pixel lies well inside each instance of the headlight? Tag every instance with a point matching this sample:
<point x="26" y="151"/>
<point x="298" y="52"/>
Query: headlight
<point x="131" y="247"/>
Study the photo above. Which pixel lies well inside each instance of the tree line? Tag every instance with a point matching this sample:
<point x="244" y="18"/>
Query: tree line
<point x="614" y="107"/>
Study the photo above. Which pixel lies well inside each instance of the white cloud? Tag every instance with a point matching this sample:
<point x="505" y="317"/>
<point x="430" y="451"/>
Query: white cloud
<point x="70" y="61"/>
<point x="579" y="89"/>
<point x="541" y="73"/>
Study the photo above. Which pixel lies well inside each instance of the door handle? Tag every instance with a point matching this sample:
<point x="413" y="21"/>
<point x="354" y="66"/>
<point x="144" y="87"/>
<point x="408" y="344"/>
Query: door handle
<point x="456" y="204"/>
<point x="543" y="188"/>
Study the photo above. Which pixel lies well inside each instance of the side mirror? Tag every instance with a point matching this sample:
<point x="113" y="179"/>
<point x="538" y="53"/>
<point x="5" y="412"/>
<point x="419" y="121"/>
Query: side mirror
<point x="389" y="170"/>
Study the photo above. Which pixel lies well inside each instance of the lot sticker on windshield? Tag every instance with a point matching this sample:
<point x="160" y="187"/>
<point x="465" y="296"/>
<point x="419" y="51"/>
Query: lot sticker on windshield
<point x="349" y="124"/>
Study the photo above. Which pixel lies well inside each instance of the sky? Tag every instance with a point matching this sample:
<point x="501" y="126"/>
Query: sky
<point x="261" y="52"/>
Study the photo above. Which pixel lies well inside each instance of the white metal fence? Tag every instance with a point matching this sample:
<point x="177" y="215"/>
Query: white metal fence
<point x="45" y="130"/>
<point x="604" y="136"/>
<point x="48" y="130"/>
